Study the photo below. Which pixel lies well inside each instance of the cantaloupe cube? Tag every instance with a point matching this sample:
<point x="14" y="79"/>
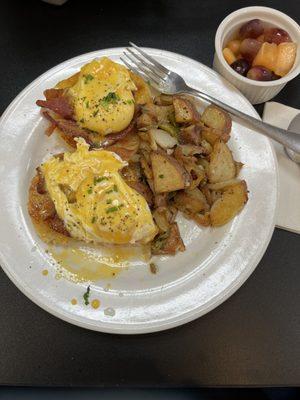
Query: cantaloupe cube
<point x="266" y="56"/>
<point x="285" y="58"/>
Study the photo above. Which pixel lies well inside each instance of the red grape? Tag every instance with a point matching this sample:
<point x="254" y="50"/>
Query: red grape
<point x="249" y="48"/>
<point x="241" y="66"/>
<point x="276" y="35"/>
<point x="275" y="77"/>
<point x="259" y="73"/>
<point x="251" y="29"/>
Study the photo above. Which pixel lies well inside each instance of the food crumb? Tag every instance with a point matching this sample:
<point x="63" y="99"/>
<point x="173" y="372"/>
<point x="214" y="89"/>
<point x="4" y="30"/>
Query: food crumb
<point x="153" y="268"/>
<point x="45" y="272"/>
<point x="107" y="287"/>
<point x="95" y="303"/>
<point x="74" y="302"/>
<point x="110" y="312"/>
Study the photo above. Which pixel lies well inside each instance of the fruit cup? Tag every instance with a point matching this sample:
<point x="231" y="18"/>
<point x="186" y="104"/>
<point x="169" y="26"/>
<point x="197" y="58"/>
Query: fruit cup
<point x="256" y="91"/>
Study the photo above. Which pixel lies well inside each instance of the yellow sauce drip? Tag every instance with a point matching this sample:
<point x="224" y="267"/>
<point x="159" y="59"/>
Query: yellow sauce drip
<point x="45" y="272"/>
<point x="95" y="303"/>
<point x="74" y="302"/>
<point x="93" y="263"/>
<point x="58" y="276"/>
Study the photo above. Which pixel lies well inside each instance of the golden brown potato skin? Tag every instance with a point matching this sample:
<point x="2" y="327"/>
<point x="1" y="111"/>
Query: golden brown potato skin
<point x="217" y="124"/>
<point x="191" y="201"/>
<point x="221" y="166"/>
<point x="185" y="111"/>
<point x="168" y="174"/>
<point x="216" y="118"/>
<point x="169" y="242"/>
<point x="229" y="204"/>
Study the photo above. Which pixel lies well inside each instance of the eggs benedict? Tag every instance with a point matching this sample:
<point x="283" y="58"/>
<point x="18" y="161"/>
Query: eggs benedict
<point x="92" y="200"/>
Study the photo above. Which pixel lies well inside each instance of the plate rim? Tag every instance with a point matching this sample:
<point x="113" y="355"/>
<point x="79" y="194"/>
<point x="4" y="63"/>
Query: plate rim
<point x="181" y="319"/>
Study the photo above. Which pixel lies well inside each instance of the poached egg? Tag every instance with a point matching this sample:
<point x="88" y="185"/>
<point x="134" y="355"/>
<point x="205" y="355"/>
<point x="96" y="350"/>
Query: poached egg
<point x="102" y="96"/>
<point x="94" y="201"/>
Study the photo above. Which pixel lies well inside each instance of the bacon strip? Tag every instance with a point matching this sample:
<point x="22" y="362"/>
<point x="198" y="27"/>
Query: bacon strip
<point x="70" y="129"/>
<point x="112" y="138"/>
<point x="52" y="93"/>
<point x="59" y="105"/>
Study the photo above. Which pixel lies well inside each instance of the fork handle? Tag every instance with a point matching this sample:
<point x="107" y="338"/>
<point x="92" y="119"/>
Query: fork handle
<point x="286" y="138"/>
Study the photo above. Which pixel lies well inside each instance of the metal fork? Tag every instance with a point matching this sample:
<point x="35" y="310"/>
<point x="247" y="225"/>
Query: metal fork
<point x="170" y="82"/>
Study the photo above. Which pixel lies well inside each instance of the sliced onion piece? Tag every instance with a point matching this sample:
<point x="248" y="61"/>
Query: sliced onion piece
<point x="163" y="139"/>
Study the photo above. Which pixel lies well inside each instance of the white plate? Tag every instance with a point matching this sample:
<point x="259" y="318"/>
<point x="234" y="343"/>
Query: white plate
<point x="216" y="262"/>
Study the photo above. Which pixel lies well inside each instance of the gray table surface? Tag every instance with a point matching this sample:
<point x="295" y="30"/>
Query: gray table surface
<point x="253" y="339"/>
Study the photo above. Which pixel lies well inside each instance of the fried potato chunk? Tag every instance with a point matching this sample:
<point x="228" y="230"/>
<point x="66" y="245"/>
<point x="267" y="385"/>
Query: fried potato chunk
<point x="221" y="166"/>
<point x="216" y="118"/>
<point x="185" y="111"/>
<point x="229" y="204"/>
<point x="168" y="174"/>
<point x="143" y="94"/>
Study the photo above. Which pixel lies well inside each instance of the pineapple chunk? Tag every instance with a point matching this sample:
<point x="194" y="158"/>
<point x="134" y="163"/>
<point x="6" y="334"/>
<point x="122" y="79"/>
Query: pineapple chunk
<point x="266" y="56"/>
<point x="285" y="58"/>
<point x="229" y="56"/>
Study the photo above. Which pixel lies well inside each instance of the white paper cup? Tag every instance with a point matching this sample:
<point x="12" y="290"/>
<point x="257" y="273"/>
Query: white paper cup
<point x="256" y="91"/>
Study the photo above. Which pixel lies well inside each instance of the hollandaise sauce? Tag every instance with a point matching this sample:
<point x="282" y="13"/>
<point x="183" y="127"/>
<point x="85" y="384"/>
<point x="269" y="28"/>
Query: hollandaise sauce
<point x="93" y="200"/>
<point x="94" y="263"/>
<point x="102" y="96"/>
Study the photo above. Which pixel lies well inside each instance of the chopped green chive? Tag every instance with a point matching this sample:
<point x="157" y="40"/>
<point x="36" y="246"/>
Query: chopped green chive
<point x="100" y="179"/>
<point x="110" y="98"/>
<point x="94" y="220"/>
<point x="88" y="78"/>
<point x="114" y="189"/>
<point x="112" y="209"/>
<point x="90" y="190"/>
<point x="86" y="296"/>
<point x="161" y="176"/>
<point x="95" y="113"/>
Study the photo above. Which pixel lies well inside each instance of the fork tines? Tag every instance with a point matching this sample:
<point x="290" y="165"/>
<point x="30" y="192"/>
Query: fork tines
<point x="144" y="65"/>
